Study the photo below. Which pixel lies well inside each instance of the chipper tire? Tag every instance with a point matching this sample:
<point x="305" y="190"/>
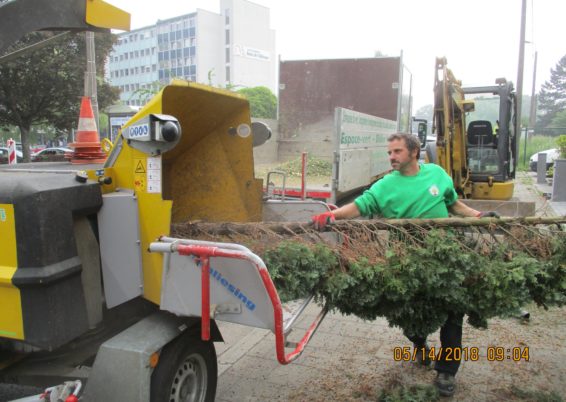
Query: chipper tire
<point x="187" y="371"/>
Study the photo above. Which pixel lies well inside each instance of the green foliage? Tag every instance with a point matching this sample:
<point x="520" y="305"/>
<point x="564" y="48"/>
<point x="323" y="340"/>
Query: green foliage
<point x="536" y="395"/>
<point x="263" y="104"/>
<point x="535" y="144"/>
<point x="296" y="269"/>
<point x="44" y="86"/>
<point x="552" y="97"/>
<point x="487" y="108"/>
<point x="559" y="120"/>
<point x="315" y="166"/>
<point x="144" y="95"/>
<point x="561" y="142"/>
<point x="418" y="288"/>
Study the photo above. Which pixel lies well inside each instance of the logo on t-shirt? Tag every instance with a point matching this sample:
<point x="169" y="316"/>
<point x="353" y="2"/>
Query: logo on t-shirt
<point x="433" y="190"/>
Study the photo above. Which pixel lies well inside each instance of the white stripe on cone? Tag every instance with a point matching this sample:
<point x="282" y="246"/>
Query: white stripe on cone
<point x="87" y="124"/>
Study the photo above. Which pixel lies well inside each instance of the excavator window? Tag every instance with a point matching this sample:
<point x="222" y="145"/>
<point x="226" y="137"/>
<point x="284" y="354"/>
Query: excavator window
<point x="482" y="148"/>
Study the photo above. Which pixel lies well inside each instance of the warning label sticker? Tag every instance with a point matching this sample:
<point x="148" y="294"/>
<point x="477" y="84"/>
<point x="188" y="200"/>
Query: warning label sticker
<point x="140" y="166"/>
<point x="154" y="175"/>
<point x="147" y="175"/>
<point x="139" y="182"/>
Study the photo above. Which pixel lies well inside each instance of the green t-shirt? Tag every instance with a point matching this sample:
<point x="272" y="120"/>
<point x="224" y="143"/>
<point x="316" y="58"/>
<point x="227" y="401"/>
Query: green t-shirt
<point x="428" y="194"/>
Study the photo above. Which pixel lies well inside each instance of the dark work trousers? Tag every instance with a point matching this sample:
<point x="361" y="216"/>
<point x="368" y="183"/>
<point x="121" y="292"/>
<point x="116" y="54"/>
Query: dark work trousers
<point x="450" y="337"/>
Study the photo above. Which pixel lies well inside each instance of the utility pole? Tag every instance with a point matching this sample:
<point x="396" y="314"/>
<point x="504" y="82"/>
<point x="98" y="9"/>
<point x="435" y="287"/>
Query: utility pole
<point x="521" y="65"/>
<point x="533" y="113"/>
<point x="90" y="75"/>
<point x="520" y="76"/>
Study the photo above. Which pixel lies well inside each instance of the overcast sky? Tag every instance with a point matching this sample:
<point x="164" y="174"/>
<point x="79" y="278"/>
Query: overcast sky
<point x="480" y="39"/>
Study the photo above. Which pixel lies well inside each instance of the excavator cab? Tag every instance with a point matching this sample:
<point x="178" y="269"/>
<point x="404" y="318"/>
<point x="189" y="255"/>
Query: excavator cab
<point x="491" y="139"/>
<point x="481" y="161"/>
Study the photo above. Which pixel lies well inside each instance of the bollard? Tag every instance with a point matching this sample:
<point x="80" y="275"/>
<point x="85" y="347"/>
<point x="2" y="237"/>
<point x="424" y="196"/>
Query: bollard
<point x="541" y="168"/>
<point x="559" y="180"/>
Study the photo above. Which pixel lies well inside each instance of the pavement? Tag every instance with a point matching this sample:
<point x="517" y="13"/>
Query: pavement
<point x="351" y="359"/>
<point x="544" y="188"/>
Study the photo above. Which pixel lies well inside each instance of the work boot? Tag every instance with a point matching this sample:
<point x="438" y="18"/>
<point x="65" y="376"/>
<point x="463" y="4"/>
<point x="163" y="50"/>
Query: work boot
<point x="445" y="384"/>
<point x="419" y="355"/>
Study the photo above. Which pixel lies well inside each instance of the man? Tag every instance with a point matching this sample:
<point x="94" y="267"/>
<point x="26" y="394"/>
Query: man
<point x="413" y="190"/>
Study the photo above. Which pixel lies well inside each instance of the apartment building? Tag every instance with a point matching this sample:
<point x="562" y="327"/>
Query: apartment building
<point x="235" y="49"/>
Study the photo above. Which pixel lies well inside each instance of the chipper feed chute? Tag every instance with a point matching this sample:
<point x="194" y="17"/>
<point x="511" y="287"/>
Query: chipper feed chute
<point x="203" y="171"/>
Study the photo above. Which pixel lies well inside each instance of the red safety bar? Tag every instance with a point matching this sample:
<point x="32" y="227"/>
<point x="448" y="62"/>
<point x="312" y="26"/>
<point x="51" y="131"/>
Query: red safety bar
<point x="297" y="193"/>
<point x="203" y="253"/>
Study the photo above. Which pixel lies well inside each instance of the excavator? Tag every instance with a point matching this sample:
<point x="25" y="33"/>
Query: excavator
<point x="479" y="155"/>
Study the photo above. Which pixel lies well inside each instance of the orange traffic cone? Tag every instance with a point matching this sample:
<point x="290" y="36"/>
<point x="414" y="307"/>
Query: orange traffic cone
<point x="87" y="145"/>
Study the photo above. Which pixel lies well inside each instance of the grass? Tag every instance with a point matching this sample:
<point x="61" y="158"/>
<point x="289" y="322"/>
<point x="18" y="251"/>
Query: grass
<point x="535" y="144"/>
<point x="536" y="395"/>
<point x="319" y="172"/>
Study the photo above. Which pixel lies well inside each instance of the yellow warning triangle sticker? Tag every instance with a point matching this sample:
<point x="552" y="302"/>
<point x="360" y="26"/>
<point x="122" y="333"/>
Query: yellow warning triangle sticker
<point x="139" y="167"/>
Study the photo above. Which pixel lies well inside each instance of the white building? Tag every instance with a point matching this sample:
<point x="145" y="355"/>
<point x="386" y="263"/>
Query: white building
<point x="233" y="49"/>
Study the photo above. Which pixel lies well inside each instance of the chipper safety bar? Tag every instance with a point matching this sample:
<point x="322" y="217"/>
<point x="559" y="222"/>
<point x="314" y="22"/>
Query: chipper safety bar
<point x="241" y="290"/>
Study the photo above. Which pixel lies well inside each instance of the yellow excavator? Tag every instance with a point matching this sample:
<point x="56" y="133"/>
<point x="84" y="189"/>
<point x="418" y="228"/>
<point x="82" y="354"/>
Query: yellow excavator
<point x="479" y="155"/>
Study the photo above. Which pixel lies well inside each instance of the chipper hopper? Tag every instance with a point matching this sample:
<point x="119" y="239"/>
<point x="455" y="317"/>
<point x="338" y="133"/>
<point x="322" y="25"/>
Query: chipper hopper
<point x="77" y="244"/>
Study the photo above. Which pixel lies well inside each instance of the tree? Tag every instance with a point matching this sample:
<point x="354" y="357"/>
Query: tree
<point x="425" y="112"/>
<point x="262" y="102"/>
<point x="552" y="96"/>
<point x="559" y="120"/>
<point x="44" y="86"/>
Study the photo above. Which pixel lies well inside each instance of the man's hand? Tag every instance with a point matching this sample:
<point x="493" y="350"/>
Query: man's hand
<point x="488" y="214"/>
<point x="322" y="220"/>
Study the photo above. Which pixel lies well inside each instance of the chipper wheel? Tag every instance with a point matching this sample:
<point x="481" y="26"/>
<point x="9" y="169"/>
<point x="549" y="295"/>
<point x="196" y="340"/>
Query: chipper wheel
<point x="187" y="371"/>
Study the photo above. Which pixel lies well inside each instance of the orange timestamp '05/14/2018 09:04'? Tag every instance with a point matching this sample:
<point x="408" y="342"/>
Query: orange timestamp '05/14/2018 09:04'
<point x="493" y="354"/>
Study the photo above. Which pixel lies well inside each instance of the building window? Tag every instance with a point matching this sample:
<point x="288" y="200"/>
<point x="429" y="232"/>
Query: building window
<point x="227" y="74"/>
<point x="227" y="36"/>
<point x="227" y="55"/>
<point x="126" y="56"/>
<point x="227" y="18"/>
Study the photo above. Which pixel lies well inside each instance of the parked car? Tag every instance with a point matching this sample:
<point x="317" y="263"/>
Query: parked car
<point x="53" y="154"/>
<point x="551" y="156"/>
<point x="4" y="155"/>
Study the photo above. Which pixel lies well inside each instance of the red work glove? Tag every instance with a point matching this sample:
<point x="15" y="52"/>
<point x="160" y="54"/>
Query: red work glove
<point x="488" y="214"/>
<point x="320" y="221"/>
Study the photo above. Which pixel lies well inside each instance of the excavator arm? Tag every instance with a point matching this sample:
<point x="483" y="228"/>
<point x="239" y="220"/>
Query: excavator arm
<point x="449" y="125"/>
<point x="22" y="16"/>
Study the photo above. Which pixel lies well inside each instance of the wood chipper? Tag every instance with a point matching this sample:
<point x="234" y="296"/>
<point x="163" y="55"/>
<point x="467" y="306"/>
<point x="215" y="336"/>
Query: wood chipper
<point x="79" y="241"/>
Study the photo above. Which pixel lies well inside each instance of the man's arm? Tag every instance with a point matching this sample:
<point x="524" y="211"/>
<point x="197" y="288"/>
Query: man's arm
<point x="348" y="211"/>
<point x="459" y="208"/>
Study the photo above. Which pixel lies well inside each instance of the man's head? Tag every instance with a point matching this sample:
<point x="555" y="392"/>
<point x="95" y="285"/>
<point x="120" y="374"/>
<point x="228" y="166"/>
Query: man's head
<point x="404" y="151"/>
